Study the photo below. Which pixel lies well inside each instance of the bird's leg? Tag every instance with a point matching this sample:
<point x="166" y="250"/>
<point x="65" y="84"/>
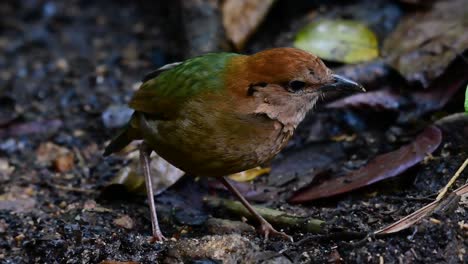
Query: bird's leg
<point x="265" y="228"/>
<point x="145" y="153"/>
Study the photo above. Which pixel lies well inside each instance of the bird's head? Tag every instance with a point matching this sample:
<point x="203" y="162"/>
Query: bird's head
<point x="285" y="83"/>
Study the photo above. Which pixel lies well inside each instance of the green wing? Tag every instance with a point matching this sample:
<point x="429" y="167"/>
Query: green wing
<point x="165" y="90"/>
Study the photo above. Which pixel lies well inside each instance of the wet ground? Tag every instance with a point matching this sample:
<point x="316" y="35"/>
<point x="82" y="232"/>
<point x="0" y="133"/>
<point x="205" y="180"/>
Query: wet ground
<point x="63" y="65"/>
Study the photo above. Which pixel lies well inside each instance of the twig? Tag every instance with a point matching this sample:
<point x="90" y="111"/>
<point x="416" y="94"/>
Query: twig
<point x="72" y="189"/>
<point x="443" y="192"/>
<point x="416" y="216"/>
<point x="273" y="216"/>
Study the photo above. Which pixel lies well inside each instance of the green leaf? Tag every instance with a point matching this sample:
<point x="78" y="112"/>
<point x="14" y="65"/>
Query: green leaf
<point x="466" y="99"/>
<point x="338" y="40"/>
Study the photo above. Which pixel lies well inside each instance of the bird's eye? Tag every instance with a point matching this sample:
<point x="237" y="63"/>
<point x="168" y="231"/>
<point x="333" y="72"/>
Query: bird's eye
<point x="296" y="85"/>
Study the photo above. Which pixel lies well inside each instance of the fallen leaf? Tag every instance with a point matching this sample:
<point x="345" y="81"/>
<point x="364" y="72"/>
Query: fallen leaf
<point x="249" y="175"/>
<point x="424" y="43"/>
<point x="242" y="17"/>
<point x="48" y="152"/>
<point x="372" y="75"/>
<point x="382" y="167"/>
<point x="131" y="176"/>
<point x="335" y="257"/>
<point x="344" y="137"/>
<point x="65" y="162"/>
<point x="439" y="93"/>
<point x="338" y="40"/>
<point x="382" y="100"/>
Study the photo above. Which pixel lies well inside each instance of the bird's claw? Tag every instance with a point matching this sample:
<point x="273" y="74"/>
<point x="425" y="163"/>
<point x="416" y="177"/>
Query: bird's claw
<point x="267" y="229"/>
<point x="157" y="238"/>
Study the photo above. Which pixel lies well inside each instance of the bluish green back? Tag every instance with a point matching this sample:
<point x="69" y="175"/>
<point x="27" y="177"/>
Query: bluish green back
<point x="192" y="76"/>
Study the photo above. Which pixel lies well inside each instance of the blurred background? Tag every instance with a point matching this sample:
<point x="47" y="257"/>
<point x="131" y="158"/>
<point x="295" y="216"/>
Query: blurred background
<point x="68" y="68"/>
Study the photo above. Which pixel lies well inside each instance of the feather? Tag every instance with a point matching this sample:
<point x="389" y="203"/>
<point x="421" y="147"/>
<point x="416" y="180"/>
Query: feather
<point x="158" y="71"/>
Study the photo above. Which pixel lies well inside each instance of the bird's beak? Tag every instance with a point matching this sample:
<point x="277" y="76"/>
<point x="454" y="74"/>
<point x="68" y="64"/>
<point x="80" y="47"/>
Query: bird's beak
<point x="342" y="84"/>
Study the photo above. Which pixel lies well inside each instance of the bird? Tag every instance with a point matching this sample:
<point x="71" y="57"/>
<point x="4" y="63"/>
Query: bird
<point x="223" y="113"/>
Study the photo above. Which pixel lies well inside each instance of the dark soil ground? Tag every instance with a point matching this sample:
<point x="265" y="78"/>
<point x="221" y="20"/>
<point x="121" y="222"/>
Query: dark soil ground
<point x="64" y="63"/>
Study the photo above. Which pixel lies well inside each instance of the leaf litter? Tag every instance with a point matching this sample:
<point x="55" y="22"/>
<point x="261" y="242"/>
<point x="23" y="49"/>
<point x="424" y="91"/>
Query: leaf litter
<point x="380" y="168"/>
<point x="70" y="234"/>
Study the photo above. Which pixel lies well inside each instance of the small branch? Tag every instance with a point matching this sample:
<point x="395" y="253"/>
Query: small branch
<point x="275" y="217"/>
<point x="72" y="189"/>
<point x="441" y="204"/>
<point x="443" y="192"/>
<point x="437" y="205"/>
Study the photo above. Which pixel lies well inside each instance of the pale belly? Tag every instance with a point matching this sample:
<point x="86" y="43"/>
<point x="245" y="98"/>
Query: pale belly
<point x="200" y="147"/>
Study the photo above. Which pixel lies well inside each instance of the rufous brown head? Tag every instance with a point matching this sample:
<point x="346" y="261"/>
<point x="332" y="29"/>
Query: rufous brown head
<point x="287" y="82"/>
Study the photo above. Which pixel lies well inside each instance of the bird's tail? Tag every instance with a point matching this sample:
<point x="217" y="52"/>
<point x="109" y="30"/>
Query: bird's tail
<point x="125" y="137"/>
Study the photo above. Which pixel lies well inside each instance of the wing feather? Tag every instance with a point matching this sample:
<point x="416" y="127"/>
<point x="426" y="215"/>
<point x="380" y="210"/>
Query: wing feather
<point x="165" y="90"/>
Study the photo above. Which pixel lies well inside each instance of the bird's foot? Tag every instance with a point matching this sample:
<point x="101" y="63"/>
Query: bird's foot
<point x="266" y="229"/>
<point x="158" y="237"/>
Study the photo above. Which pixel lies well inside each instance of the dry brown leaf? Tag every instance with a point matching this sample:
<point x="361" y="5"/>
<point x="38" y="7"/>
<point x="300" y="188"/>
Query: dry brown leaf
<point x="64" y="163"/>
<point x="47" y="152"/>
<point x="424" y="43"/>
<point x="242" y="17"/>
<point x="382" y="167"/>
<point x="131" y="176"/>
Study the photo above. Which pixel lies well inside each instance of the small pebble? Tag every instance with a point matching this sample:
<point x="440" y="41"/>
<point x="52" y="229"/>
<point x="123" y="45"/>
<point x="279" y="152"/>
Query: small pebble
<point x="116" y="116"/>
<point x="124" y="221"/>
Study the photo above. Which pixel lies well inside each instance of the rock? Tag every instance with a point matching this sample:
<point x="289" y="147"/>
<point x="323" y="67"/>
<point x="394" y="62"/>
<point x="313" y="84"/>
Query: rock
<point x="3" y="226"/>
<point x="124" y="221"/>
<point x="455" y="129"/>
<point x="202" y="25"/>
<point x="5" y="170"/>
<point x="116" y="116"/>
<point x="225" y="249"/>
<point x="228" y="249"/>
<point x="18" y="199"/>
<point x="190" y="216"/>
